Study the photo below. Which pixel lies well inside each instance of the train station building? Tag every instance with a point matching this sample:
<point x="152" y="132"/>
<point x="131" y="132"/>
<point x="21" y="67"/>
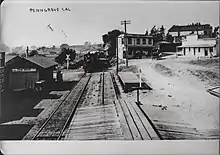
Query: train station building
<point x="2" y="65"/>
<point x="23" y="72"/>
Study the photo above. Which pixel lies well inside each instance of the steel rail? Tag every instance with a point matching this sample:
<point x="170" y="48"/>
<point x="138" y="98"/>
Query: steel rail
<point x="49" y="118"/>
<point x="73" y="110"/>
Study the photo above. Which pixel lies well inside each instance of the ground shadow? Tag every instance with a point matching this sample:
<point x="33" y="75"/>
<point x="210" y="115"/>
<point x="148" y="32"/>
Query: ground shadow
<point x="15" y="105"/>
<point x="63" y="86"/>
<point x="14" y="131"/>
<point x="51" y="96"/>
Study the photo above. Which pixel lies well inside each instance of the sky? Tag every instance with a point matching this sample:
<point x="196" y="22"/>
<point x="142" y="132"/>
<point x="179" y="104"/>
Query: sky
<point x="88" y="21"/>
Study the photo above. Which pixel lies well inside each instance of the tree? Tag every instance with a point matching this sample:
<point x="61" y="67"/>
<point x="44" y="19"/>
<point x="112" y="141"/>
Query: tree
<point x="169" y="38"/>
<point x="155" y="33"/>
<point x="61" y="58"/>
<point x="33" y="53"/>
<point x="215" y="32"/>
<point x="110" y="39"/>
<point x="158" y="34"/>
<point x="64" y="46"/>
<point x="162" y="33"/>
<point x="105" y="39"/>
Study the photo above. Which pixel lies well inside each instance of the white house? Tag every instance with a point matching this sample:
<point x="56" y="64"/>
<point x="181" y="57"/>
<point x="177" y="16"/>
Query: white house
<point x="180" y="32"/>
<point x="137" y="44"/>
<point x="199" y="47"/>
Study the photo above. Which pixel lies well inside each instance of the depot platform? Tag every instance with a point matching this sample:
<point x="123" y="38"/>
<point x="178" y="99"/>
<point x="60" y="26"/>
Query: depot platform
<point x="130" y="81"/>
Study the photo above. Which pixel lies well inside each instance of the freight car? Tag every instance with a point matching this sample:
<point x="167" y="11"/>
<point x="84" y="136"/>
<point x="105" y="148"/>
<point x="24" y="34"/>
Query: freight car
<point x="95" y="61"/>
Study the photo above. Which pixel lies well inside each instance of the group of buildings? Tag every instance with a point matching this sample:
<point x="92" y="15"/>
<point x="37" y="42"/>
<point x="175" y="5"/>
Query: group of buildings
<point x="23" y="72"/>
<point x="189" y="40"/>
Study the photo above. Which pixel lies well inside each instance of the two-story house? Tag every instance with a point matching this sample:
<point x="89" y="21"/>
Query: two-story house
<point x="179" y="32"/>
<point x="137" y="45"/>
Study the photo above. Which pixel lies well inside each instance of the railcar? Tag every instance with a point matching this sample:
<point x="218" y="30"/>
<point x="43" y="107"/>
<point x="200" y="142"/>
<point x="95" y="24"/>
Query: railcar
<point x="95" y="61"/>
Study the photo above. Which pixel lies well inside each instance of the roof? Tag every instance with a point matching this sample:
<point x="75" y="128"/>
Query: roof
<point x="199" y="45"/>
<point x="176" y="28"/>
<point x="163" y="42"/>
<point x="41" y="61"/>
<point x="138" y="35"/>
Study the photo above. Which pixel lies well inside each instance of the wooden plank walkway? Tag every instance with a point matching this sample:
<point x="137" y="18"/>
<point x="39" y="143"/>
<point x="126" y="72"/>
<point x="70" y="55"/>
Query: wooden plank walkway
<point x="138" y="124"/>
<point x="96" y="121"/>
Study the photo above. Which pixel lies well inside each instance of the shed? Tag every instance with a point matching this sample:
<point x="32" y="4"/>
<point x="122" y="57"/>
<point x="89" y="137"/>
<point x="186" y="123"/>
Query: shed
<point x="166" y="46"/>
<point x="23" y="72"/>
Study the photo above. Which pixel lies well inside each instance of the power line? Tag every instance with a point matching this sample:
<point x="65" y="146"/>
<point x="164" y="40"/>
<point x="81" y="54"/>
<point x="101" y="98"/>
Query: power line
<point x="64" y="33"/>
<point x="125" y="22"/>
<point x="50" y="27"/>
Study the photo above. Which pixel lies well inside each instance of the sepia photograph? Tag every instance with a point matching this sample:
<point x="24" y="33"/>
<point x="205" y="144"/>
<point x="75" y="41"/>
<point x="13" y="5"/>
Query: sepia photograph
<point x="124" y="71"/>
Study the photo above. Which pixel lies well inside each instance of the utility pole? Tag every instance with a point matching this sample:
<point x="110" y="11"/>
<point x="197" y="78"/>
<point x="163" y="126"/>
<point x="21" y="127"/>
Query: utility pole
<point x="117" y="55"/>
<point x="125" y="22"/>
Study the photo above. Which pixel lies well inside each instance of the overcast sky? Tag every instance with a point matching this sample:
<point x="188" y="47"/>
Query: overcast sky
<point x="89" y="21"/>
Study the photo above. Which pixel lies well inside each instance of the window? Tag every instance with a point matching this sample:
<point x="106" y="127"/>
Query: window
<point x="2" y="63"/>
<point x="211" y="49"/>
<point x="149" y="41"/>
<point x="129" y="40"/>
<point x="144" y="41"/>
<point x="122" y="40"/>
<point x="194" y="51"/>
<point x="199" y="49"/>
<point x="189" y="49"/>
<point x="138" y="40"/>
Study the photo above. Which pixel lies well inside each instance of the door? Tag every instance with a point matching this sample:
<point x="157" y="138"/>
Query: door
<point x="206" y="52"/>
<point x="16" y="81"/>
<point x="22" y="80"/>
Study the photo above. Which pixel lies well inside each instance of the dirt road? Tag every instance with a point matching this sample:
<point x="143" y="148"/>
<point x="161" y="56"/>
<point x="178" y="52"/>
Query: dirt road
<point x="179" y="102"/>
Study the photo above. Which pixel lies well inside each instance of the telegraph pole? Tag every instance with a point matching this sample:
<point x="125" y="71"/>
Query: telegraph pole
<point x="125" y="22"/>
<point x="117" y="55"/>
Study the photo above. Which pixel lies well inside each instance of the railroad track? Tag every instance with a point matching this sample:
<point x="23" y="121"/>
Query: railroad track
<point x="55" y="125"/>
<point x="136" y="125"/>
<point x="96" y="118"/>
<point x="103" y="115"/>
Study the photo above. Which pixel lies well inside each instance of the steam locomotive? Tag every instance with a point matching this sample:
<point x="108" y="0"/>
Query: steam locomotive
<point x="96" y="61"/>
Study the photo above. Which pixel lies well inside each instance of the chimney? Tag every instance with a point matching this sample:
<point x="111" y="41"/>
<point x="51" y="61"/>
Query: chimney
<point x="27" y="51"/>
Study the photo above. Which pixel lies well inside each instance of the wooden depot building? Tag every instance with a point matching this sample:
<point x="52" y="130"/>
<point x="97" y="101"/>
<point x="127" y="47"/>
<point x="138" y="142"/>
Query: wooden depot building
<point x="23" y="72"/>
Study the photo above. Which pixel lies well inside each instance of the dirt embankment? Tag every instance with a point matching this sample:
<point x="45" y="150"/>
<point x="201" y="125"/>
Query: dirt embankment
<point x="210" y="77"/>
<point x="164" y="70"/>
<point x="205" y="62"/>
<point x="179" y="105"/>
<point x="205" y="70"/>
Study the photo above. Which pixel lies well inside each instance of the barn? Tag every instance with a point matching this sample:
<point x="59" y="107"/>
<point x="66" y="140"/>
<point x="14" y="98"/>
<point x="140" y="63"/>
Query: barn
<point x="23" y="72"/>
